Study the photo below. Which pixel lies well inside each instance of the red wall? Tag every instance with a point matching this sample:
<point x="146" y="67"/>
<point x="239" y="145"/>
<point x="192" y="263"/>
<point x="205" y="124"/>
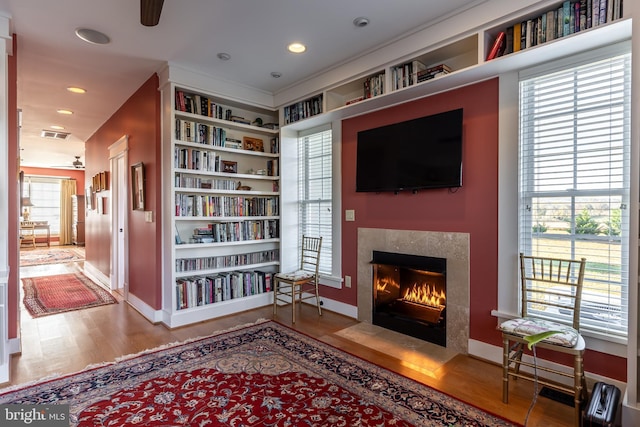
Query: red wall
<point x="139" y="119"/>
<point x="470" y="209"/>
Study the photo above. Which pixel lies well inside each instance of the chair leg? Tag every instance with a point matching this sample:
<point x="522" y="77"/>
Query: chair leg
<point x="579" y="388"/>
<point x="318" y="300"/>
<point x="505" y="369"/>
<point x="293" y="302"/>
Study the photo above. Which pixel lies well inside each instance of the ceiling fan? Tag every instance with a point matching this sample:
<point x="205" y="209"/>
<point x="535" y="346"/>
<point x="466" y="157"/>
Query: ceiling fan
<point x="77" y="164"/>
<point x="150" y="12"/>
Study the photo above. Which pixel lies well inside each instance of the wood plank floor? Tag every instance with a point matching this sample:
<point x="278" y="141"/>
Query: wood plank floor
<point x="68" y="342"/>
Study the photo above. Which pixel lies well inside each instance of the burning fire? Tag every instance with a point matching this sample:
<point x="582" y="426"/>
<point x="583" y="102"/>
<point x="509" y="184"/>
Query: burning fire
<point x="381" y="285"/>
<point x="425" y="294"/>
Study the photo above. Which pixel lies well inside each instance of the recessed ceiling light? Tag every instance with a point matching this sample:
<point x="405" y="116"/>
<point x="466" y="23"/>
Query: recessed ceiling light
<point x="223" y="56"/>
<point x="361" y="21"/>
<point x="57" y="127"/>
<point x="92" y="36"/>
<point x="63" y="111"/>
<point x="296" y="47"/>
<point x="276" y="75"/>
<point x="74" y="89"/>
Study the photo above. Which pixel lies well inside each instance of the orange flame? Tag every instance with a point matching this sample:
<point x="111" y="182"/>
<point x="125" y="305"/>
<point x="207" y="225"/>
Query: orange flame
<point x="425" y="294"/>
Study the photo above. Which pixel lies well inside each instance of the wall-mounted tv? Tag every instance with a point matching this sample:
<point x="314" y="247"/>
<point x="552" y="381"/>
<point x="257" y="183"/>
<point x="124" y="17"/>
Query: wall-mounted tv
<point x="411" y="155"/>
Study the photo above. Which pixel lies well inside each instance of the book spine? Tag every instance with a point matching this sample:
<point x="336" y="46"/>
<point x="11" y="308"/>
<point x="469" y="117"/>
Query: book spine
<point x="497" y="46"/>
<point x="566" y="18"/>
<point x="516" y="36"/>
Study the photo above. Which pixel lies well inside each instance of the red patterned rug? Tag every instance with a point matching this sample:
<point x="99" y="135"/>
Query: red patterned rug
<point x="53" y="255"/>
<point x="65" y="292"/>
<point x="259" y="375"/>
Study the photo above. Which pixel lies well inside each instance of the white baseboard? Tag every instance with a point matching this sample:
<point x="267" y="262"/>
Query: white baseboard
<point x="630" y="413"/>
<point x="149" y="313"/>
<point x="96" y="275"/>
<point x="335" y="306"/>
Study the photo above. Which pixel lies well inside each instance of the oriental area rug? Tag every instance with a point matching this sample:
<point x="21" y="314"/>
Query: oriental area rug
<point x="48" y="295"/>
<point x="53" y="255"/>
<point x="263" y="374"/>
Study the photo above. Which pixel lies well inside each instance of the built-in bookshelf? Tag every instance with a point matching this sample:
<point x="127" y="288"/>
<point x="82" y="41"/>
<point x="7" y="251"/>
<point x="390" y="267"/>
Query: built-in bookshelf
<point x="458" y="60"/>
<point x="303" y="109"/>
<point x="222" y="163"/>
<point x="563" y="20"/>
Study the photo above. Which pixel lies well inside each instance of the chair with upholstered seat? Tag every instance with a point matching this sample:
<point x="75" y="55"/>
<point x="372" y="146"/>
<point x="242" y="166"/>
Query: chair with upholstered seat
<point x="551" y="292"/>
<point x="301" y="284"/>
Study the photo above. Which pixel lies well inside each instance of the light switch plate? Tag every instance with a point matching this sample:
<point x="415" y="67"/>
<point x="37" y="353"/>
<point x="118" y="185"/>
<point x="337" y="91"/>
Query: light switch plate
<point x="148" y="216"/>
<point x="349" y="215"/>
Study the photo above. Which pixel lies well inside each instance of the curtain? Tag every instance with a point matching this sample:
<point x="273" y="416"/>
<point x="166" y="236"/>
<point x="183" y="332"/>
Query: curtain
<point x="67" y="189"/>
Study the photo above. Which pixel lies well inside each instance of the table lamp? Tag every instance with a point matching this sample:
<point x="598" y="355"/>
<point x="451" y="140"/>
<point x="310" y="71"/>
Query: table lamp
<point x="26" y="204"/>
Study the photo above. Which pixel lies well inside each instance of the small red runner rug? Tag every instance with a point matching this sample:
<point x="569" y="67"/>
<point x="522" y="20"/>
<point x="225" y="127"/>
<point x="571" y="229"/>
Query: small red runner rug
<point x="65" y="292"/>
<point x="53" y="255"/>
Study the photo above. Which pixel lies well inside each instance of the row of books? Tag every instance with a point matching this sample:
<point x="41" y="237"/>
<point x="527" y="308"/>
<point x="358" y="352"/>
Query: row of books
<point x="406" y="74"/>
<point x="374" y="86"/>
<point x="570" y="17"/>
<point x="227" y="261"/>
<point x="190" y="181"/>
<point x="201" y="105"/>
<point x="236" y="231"/>
<point x="194" y="159"/>
<point x="433" y="72"/>
<point x="203" y="205"/>
<point x="303" y="109"/>
<point x="201" y="133"/>
<point x="204" y="290"/>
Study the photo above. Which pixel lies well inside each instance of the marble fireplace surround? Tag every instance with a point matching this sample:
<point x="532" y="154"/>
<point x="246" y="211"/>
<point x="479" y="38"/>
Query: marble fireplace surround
<point x="452" y="246"/>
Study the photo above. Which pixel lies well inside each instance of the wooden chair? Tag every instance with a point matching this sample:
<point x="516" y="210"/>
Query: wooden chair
<point x="27" y="233"/>
<point x="290" y="287"/>
<point x="551" y="296"/>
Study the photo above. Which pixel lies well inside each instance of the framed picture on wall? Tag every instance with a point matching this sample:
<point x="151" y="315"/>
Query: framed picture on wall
<point x="137" y="186"/>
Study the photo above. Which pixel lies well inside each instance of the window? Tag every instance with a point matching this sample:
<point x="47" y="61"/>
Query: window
<point x="45" y="195"/>
<point x="315" y="191"/>
<point x="574" y="179"/>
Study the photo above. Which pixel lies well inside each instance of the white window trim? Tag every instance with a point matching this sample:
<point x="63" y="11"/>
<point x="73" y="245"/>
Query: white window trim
<point x="289" y="198"/>
<point x="508" y="198"/>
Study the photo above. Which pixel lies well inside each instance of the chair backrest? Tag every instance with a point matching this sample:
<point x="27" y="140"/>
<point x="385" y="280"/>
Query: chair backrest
<point x="310" y="257"/>
<point x="552" y="288"/>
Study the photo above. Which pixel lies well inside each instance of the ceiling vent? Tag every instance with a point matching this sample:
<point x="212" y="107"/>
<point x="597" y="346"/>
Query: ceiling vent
<point x="54" y="135"/>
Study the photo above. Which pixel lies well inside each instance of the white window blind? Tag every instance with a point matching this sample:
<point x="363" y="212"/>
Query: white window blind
<point x="315" y="191"/>
<point x="574" y="180"/>
<point x="44" y="193"/>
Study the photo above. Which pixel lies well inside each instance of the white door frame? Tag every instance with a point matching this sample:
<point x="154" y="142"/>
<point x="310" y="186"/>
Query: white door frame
<point x="119" y="196"/>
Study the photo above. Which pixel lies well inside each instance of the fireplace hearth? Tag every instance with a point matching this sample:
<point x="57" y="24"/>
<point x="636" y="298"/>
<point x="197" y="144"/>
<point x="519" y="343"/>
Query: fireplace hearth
<point x="409" y="294"/>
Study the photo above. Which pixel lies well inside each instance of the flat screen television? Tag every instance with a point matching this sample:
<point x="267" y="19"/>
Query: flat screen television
<point x="412" y="155"/>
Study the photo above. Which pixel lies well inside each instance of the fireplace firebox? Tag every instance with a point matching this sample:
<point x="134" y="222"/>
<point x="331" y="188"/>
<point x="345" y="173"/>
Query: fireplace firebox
<point x="409" y="295"/>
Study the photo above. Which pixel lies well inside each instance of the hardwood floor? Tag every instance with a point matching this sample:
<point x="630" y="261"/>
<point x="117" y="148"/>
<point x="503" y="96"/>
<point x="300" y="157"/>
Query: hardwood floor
<point x="68" y="342"/>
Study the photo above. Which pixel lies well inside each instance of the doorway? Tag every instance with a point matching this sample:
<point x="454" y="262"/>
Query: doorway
<point x="119" y="197"/>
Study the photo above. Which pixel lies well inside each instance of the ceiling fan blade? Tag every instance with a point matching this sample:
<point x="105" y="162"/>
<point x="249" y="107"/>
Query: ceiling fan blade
<point x="150" y="12"/>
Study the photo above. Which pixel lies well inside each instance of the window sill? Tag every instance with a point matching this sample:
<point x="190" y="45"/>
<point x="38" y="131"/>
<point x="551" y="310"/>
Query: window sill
<point x="331" y="281"/>
<point x="599" y="342"/>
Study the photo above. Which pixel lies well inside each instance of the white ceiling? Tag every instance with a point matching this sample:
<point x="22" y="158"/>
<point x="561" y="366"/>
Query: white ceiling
<point x="190" y="33"/>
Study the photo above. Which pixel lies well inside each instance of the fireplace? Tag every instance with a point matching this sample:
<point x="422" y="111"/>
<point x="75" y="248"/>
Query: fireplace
<point x="409" y="293"/>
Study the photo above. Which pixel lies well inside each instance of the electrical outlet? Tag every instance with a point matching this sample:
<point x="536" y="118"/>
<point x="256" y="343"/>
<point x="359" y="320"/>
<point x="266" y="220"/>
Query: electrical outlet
<point x="347" y="281"/>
